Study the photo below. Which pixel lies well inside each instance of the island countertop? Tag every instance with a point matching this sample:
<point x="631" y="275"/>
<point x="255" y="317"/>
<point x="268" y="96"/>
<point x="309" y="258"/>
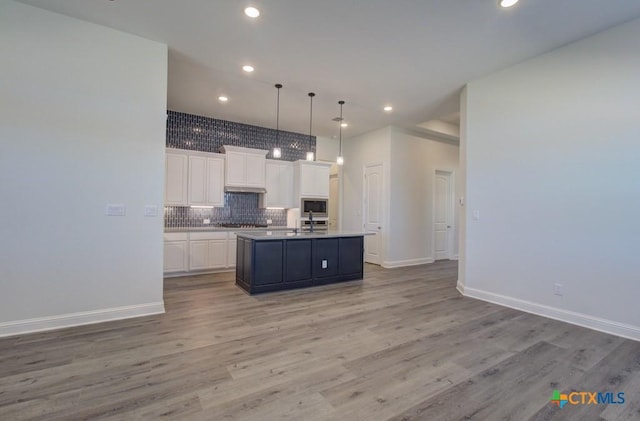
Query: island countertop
<point x="291" y="235"/>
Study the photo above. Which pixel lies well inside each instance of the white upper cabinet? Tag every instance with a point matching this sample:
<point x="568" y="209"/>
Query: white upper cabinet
<point x="175" y="182"/>
<point x="206" y="179"/>
<point x="279" y="184"/>
<point x="245" y="167"/>
<point x="311" y="179"/>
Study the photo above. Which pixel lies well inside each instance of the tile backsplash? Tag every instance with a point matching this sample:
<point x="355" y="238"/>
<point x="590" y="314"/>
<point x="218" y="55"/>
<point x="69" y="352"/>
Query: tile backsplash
<point x="239" y="208"/>
<point x="198" y="133"/>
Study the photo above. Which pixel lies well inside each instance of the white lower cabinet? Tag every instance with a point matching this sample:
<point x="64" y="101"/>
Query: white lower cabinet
<point x="176" y="253"/>
<point x="199" y="251"/>
<point x="207" y="250"/>
<point x="231" y="250"/>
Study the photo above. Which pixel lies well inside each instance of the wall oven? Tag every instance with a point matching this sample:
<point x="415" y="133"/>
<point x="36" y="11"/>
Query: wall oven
<point x="319" y="207"/>
<point x="321" y="225"/>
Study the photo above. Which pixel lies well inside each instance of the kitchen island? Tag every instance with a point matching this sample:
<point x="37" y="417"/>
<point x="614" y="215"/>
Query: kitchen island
<point x="272" y="261"/>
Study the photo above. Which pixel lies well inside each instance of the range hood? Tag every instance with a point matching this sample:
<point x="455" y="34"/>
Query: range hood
<point x="233" y="189"/>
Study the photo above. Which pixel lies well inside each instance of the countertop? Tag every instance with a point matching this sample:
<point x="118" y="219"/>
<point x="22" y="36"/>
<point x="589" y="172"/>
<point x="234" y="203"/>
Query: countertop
<point x="288" y="235"/>
<point x="224" y="229"/>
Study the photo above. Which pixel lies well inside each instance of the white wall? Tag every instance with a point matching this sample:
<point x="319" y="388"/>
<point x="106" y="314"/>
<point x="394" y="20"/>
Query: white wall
<point x="442" y="127"/>
<point x="414" y="161"/>
<point x="82" y="124"/>
<point x="552" y="148"/>
<point x="326" y="149"/>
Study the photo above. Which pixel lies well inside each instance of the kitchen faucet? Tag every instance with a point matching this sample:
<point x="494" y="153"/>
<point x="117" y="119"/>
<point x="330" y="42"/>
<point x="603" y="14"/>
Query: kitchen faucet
<point x="310" y="221"/>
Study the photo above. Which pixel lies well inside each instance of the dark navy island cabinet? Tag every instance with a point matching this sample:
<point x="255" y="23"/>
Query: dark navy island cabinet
<point x="272" y="264"/>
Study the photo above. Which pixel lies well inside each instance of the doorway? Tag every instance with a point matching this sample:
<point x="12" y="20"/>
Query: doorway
<point x="373" y="212"/>
<point x="443" y="215"/>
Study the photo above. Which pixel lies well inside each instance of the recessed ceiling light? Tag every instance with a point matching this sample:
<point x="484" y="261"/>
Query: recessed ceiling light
<point x="223" y="98"/>
<point x="388" y="108"/>
<point x="248" y="68"/>
<point x="343" y="124"/>
<point x="252" y="12"/>
<point x="507" y="3"/>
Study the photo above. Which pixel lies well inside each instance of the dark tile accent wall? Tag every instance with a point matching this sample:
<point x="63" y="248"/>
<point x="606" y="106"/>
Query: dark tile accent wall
<point x="198" y="133"/>
<point x="239" y="208"/>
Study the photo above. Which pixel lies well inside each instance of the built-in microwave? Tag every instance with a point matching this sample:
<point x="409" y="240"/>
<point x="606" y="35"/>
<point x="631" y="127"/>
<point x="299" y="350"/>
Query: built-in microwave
<point x="319" y="207"/>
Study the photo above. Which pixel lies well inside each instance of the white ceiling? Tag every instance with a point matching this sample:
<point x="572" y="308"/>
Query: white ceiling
<point x="413" y="54"/>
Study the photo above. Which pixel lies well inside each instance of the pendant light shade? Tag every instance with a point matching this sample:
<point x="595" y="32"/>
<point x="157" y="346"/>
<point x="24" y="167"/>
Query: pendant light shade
<point x="340" y="159"/>
<point x="310" y="154"/>
<point x="277" y="152"/>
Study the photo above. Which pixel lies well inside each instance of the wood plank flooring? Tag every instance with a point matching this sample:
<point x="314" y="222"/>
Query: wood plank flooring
<point x="400" y="345"/>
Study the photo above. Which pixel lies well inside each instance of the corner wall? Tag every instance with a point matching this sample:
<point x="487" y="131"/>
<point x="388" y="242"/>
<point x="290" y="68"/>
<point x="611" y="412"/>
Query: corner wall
<point x="82" y="123"/>
<point x="551" y="155"/>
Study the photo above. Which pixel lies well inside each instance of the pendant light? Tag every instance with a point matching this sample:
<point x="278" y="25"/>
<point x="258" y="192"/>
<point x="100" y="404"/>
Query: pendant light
<point x="277" y="152"/>
<point x="310" y="155"/>
<point x="340" y="159"/>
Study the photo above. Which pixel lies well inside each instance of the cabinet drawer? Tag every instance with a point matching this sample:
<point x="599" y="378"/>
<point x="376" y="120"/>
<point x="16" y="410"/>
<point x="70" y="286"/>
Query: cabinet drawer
<point x="176" y="236"/>
<point x="220" y="235"/>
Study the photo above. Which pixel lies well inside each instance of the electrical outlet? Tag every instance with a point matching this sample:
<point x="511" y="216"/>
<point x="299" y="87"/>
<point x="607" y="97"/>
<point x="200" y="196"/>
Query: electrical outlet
<point x="269" y="221"/>
<point x="558" y="289"/>
<point x="207" y="221"/>
<point x="325" y="264"/>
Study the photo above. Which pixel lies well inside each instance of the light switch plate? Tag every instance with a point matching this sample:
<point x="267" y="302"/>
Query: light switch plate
<point x="150" y="210"/>
<point x="324" y="264"/>
<point x="115" y="209"/>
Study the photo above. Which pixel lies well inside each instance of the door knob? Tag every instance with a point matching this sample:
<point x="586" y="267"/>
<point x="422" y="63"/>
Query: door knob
<point x="379" y="228"/>
<point x="448" y="226"/>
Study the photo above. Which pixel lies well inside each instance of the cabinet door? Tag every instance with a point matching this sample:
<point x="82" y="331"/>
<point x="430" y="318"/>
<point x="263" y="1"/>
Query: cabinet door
<point x="272" y="184"/>
<point x="197" y="180"/>
<point x="215" y="182"/>
<point x="231" y="253"/>
<point x="321" y="181"/>
<point x="255" y="170"/>
<point x="286" y="186"/>
<point x="298" y="260"/>
<point x="268" y="257"/>
<point x="175" y="256"/>
<point x="198" y="255"/>
<point x="235" y="169"/>
<point x="217" y="254"/>
<point x="307" y="180"/>
<point x="351" y="257"/>
<point x="175" y="182"/>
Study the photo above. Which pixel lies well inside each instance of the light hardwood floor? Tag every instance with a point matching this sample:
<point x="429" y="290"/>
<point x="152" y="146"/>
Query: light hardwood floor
<point x="400" y="345"/>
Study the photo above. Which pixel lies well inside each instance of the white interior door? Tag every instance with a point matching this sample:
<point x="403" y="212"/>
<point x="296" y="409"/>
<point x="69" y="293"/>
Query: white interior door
<point x="372" y="212"/>
<point x="443" y="215"/>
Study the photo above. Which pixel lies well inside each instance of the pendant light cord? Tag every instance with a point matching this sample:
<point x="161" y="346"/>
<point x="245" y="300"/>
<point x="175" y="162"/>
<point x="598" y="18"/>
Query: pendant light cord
<point x="311" y="95"/>
<point x="278" y="86"/>
<point x="341" y="104"/>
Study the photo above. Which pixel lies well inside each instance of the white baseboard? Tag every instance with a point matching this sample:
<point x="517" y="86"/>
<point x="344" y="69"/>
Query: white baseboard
<point x="460" y="287"/>
<point x="409" y="262"/>
<point x="40" y="324"/>
<point x="595" y="323"/>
